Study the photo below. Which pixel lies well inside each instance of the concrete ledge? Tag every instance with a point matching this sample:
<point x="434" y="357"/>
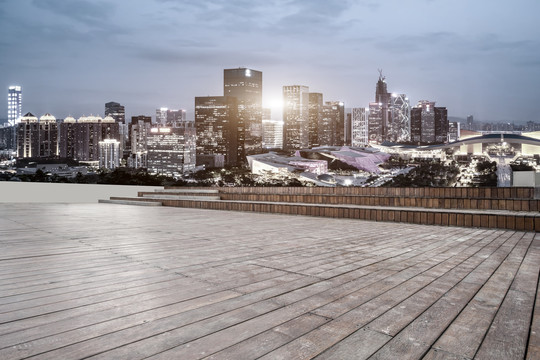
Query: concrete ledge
<point x="179" y="197"/>
<point x="131" y="202"/>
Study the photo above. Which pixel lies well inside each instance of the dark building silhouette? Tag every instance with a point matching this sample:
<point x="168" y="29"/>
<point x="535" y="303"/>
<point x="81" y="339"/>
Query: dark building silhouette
<point x="429" y="124"/>
<point x="216" y="122"/>
<point x="332" y="126"/>
<point x="116" y="111"/>
<point x="246" y="86"/>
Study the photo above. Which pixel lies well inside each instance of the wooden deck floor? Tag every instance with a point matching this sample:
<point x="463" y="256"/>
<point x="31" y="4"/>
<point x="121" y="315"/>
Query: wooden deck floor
<point x="104" y="281"/>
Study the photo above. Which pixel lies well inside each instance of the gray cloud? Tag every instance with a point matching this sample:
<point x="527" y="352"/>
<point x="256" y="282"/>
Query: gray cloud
<point x="90" y="12"/>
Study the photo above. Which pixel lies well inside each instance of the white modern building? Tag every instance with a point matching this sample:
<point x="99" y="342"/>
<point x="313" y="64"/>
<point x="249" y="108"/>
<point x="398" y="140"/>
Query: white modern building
<point x="359" y="127"/>
<point x="14" y="105"/>
<point x="109" y="154"/>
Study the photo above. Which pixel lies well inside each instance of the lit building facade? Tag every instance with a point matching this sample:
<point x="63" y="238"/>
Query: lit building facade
<point x="272" y="134"/>
<point x="315" y="113"/>
<point x="359" y="127"/>
<point x="399" y="129"/>
<point x="332" y="125"/>
<point x="14" y="105"/>
<point x="375" y="122"/>
<point x="48" y="136"/>
<point x="295" y="117"/>
<point x="139" y="128"/>
<point x="28" y="136"/>
<point x="246" y="86"/>
<point x="429" y="124"/>
<point x="109" y="154"/>
<point x="216" y="122"/>
<point x="80" y="140"/>
<point x="171" y="151"/>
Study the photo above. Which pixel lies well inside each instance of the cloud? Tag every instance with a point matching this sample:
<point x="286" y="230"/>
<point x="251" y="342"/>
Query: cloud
<point x="83" y="10"/>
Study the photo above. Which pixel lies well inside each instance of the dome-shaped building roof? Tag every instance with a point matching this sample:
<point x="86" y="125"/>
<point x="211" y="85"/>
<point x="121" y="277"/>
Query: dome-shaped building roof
<point x="70" y="119"/>
<point x="108" y="119"/>
<point x="82" y="119"/>
<point x="29" y="117"/>
<point x="47" y="118"/>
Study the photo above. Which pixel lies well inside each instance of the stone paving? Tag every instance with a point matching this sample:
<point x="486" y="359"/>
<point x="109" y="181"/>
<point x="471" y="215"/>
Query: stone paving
<point x="104" y="281"/>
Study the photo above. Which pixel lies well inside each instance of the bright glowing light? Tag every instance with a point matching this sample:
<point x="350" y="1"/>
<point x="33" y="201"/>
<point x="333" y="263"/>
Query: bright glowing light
<point x="248" y="72"/>
<point x="347" y="182"/>
<point x="273" y="103"/>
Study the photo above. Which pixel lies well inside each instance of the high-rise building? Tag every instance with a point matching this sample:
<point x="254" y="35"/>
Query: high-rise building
<point x="383" y="98"/>
<point x="399" y="129"/>
<point x="80" y="140"/>
<point x="14" y="105"/>
<point x="171" y="151"/>
<point x="139" y="128"/>
<point x="48" y="136"/>
<point x="216" y="122"/>
<point x="332" y="125"/>
<point x="315" y="112"/>
<point x="470" y="122"/>
<point x="348" y="127"/>
<point x="429" y="124"/>
<point x="295" y="117"/>
<point x="116" y="111"/>
<point x="359" y="127"/>
<point x="375" y="122"/>
<point x="246" y="86"/>
<point x="272" y="134"/>
<point x="454" y="131"/>
<point x="37" y="138"/>
<point x="169" y="117"/>
<point x="109" y="154"/>
<point x="28" y="136"/>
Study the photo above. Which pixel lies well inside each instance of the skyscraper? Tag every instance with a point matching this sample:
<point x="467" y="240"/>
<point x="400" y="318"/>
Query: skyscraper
<point x="359" y="127"/>
<point x="332" y="125"/>
<point x="216" y="121"/>
<point x="399" y="129"/>
<point x="429" y="124"/>
<point x="315" y="117"/>
<point x="116" y="111"/>
<point x="375" y="122"/>
<point x="295" y="117"/>
<point x="470" y="122"/>
<point x="383" y="98"/>
<point x="14" y="105"/>
<point x="171" y="151"/>
<point x="246" y="86"/>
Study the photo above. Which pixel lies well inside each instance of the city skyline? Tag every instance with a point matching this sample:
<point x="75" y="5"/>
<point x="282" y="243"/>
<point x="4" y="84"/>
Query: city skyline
<point x="73" y="57"/>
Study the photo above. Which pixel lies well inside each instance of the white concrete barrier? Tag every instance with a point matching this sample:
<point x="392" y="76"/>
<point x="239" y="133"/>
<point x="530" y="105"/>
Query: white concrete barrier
<point x="34" y="192"/>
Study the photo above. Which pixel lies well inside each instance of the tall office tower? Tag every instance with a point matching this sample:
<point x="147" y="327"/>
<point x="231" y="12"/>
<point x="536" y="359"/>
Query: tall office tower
<point x="14" y="105"/>
<point x="399" y="129"/>
<point x="216" y="122"/>
<point x="109" y="154"/>
<point x="383" y="98"/>
<point x="28" y="136"/>
<point x="441" y="125"/>
<point x="429" y="124"/>
<point x="246" y="86"/>
<point x="359" y="127"/>
<point x="348" y="128"/>
<point x="315" y="111"/>
<point x="139" y="128"/>
<point x="171" y="151"/>
<point x="295" y="117"/>
<point x="470" y="122"/>
<point x="332" y="125"/>
<point x="375" y="122"/>
<point x="161" y="116"/>
<point x="48" y="136"/>
<point x="272" y="134"/>
<point x="116" y="111"/>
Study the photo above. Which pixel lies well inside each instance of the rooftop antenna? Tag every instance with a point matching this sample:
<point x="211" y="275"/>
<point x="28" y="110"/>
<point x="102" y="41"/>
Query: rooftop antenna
<point x="381" y="77"/>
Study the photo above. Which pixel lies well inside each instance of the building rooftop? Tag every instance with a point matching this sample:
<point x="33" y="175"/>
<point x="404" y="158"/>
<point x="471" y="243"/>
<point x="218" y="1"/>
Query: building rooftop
<point x="108" y="282"/>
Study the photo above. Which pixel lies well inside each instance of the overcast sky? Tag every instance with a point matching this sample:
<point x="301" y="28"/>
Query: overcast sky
<point x="71" y="56"/>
